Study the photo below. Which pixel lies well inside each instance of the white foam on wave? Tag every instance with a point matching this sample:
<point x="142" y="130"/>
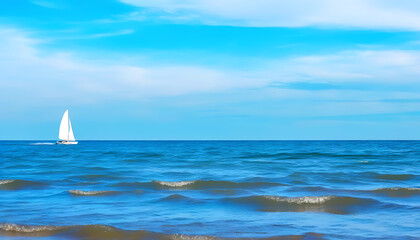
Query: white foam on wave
<point x="174" y="184"/>
<point x="88" y="193"/>
<point x="190" y="237"/>
<point x="301" y="200"/>
<point x="399" y="188"/>
<point x="43" y="143"/>
<point x="6" y="181"/>
<point x="27" y="229"/>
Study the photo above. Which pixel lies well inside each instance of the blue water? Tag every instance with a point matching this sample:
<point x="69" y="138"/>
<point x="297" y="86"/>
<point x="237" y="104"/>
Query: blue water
<point x="227" y="189"/>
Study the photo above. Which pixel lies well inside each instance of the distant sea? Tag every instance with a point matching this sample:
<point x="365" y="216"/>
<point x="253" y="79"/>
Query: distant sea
<point x="210" y="190"/>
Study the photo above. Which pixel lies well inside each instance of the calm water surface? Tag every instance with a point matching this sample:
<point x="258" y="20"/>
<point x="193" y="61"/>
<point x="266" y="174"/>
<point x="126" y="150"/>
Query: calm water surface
<point x="210" y="189"/>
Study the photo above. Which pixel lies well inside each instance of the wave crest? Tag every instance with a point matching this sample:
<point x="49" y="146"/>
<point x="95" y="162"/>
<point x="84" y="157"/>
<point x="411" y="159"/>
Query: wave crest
<point x="190" y="237"/>
<point x="197" y="185"/>
<point x="110" y="232"/>
<point x="396" y="177"/>
<point x="6" y="181"/>
<point x="91" y="193"/>
<point x="174" y="184"/>
<point x="398" y="191"/>
<point x="26" y="228"/>
<point x="17" y="184"/>
<point x="212" y="184"/>
<point x="301" y="200"/>
<point x="328" y="204"/>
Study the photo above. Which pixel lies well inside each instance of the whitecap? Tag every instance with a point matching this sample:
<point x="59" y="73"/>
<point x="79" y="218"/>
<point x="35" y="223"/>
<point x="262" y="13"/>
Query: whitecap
<point x="301" y="200"/>
<point x="6" y="181"/>
<point x="27" y="229"/>
<point x="398" y="188"/>
<point x="190" y="237"/>
<point x="175" y="184"/>
<point x="89" y="193"/>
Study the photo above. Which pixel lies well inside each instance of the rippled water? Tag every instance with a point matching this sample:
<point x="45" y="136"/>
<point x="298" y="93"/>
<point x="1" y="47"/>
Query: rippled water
<point x="210" y="189"/>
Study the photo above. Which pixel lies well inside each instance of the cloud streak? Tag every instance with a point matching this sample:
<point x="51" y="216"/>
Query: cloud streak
<point x="60" y="76"/>
<point x="101" y="35"/>
<point x="368" y="14"/>
<point x="397" y="67"/>
<point x="30" y="75"/>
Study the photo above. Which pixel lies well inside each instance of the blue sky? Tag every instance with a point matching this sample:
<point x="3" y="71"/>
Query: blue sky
<point x="210" y="69"/>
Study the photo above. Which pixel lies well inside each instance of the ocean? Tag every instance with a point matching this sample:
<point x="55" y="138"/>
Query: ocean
<point x="210" y="190"/>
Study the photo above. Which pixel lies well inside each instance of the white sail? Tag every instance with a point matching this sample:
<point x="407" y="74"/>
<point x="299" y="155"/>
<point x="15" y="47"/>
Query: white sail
<point x="64" y="127"/>
<point x="71" y="135"/>
<point x="66" y="131"/>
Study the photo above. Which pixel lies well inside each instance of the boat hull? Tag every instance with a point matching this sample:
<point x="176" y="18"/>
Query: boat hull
<point x="66" y="142"/>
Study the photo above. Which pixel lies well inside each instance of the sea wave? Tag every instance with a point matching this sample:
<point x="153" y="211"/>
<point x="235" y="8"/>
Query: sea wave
<point x="92" y="193"/>
<point x="328" y="204"/>
<point x="190" y="237"/>
<point x="396" y="177"/>
<point x="104" y="232"/>
<point x="390" y="192"/>
<point x="398" y="191"/>
<point x="17" y="184"/>
<point x="76" y="232"/>
<point x="174" y="184"/>
<point x="303" y="155"/>
<point x="196" y="185"/>
<point x="6" y="181"/>
<point x="301" y="200"/>
<point x="212" y="184"/>
<point x="11" y="227"/>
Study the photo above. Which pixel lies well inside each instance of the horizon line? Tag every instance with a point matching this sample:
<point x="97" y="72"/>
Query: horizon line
<point x="214" y="140"/>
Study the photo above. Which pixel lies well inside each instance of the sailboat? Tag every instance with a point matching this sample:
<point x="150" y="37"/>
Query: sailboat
<point x="66" y="132"/>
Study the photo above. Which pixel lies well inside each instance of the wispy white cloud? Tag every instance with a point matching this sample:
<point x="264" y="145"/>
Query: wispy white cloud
<point x="30" y="75"/>
<point x="373" y="14"/>
<point x="99" y="35"/>
<point x="364" y="66"/>
<point x="61" y="76"/>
